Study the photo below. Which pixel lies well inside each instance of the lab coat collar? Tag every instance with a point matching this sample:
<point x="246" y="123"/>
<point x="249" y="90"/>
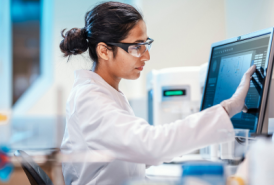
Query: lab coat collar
<point x="84" y="74"/>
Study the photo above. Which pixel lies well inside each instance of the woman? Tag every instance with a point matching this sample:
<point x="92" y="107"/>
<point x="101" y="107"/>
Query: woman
<point x="99" y="116"/>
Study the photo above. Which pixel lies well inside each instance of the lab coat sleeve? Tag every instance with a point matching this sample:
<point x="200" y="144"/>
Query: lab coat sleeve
<point x="106" y="126"/>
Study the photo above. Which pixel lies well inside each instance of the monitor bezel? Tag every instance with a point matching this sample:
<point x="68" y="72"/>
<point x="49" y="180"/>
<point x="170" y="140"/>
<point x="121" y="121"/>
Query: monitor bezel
<point x="268" y="75"/>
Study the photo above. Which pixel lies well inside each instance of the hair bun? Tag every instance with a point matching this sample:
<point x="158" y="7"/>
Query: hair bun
<point x="74" y="42"/>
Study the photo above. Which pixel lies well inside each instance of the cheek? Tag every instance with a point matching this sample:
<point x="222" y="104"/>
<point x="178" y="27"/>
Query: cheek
<point x="125" y="65"/>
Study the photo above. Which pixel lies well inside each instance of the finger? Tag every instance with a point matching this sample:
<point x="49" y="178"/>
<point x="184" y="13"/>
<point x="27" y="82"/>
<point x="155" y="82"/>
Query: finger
<point x="251" y="70"/>
<point x="245" y="109"/>
<point x="247" y="75"/>
<point x="252" y="110"/>
<point x="262" y="70"/>
<point x="259" y="75"/>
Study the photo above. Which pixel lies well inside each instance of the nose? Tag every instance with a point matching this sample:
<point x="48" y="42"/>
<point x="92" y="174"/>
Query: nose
<point x="145" y="56"/>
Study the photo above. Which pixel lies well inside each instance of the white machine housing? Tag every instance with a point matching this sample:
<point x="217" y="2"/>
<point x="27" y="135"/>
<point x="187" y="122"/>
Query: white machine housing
<point x="166" y="109"/>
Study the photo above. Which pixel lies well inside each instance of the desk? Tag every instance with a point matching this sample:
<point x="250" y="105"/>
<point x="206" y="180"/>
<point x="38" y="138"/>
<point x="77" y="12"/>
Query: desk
<point x="173" y="170"/>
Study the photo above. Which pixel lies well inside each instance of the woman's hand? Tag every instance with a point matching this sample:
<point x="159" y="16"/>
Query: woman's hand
<point x="236" y="103"/>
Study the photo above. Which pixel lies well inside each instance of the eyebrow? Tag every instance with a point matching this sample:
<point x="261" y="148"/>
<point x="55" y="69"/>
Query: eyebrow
<point x="138" y="41"/>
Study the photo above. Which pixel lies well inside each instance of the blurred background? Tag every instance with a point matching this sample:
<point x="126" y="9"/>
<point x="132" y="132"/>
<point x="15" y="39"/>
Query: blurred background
<point x="35" y="78"/>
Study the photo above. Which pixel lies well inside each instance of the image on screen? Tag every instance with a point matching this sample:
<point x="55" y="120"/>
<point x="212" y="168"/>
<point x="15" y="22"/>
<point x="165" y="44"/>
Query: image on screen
<point x="228" y="64"/>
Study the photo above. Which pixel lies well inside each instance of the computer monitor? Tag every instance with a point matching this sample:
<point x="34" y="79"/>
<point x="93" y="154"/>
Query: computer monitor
<point x="229" y="60"/>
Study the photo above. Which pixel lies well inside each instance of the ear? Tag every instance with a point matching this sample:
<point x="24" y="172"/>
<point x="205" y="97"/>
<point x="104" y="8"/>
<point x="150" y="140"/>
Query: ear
<point x="103" y="51"/>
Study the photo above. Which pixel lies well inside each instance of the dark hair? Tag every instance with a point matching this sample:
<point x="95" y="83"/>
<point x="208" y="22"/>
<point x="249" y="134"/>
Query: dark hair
<point x="107" y="22"/>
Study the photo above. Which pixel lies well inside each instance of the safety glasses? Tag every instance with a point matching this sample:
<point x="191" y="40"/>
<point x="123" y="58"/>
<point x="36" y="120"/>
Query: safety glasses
<point x="135" y="49"/>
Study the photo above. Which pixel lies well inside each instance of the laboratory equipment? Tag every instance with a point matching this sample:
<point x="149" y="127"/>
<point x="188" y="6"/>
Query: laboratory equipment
<point x="203" y="73"/>
<point x="203" y="173"/>
<point x="236" y="149"/>
<point x="173" y="94"/>
<point x="271" y="107"/>
<point x="229" y="60"/>
<point x="214" y="153"/>
<point x="233" y="150"/>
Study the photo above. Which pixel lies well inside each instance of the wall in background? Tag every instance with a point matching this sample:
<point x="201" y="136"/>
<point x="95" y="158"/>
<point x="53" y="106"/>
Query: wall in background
<point x="247" y="16"/>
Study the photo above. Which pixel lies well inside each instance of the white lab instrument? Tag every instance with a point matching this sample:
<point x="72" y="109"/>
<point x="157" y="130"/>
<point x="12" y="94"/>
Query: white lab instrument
<point x="173" y="93"/>
<point x="100" y="118"/>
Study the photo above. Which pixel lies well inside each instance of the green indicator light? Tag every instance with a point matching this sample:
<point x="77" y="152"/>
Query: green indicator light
<point x="173" y="93"/>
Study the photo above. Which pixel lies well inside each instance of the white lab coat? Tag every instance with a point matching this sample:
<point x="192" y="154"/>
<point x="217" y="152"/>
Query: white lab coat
<point x="98" y="117"/>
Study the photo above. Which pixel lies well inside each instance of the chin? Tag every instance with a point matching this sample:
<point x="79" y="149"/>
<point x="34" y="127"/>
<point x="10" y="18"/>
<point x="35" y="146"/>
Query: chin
<point x="134" y="77"/>
<point x="137" y="76"/>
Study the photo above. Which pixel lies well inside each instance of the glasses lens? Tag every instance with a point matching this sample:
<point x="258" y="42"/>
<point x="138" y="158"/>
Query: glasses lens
<point x="148" y="47"/>
<point x="138" y="50"/>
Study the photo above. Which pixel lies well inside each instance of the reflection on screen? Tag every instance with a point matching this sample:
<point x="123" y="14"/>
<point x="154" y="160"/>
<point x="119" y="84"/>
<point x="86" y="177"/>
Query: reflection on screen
<point x="228" y="64"/>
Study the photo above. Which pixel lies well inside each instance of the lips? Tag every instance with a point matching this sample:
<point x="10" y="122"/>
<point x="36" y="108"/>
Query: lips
<point x="140" y="68"/>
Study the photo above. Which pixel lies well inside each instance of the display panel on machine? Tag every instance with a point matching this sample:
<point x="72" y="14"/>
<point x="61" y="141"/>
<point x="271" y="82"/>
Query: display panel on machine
<point x="227" y="65"/>
<point x="174" y="92"/>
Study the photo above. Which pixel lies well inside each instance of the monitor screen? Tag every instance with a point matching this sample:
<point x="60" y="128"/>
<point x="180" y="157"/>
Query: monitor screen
<point x="227" y="65"/>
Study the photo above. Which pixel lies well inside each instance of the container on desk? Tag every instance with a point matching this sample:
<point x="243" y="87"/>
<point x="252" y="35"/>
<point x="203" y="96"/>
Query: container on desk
<point x="236" y="150"/>
<point x="203" y="173"/>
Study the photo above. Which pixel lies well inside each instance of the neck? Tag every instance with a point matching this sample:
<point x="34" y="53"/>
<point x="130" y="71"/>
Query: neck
<point x="111" y="79"/>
